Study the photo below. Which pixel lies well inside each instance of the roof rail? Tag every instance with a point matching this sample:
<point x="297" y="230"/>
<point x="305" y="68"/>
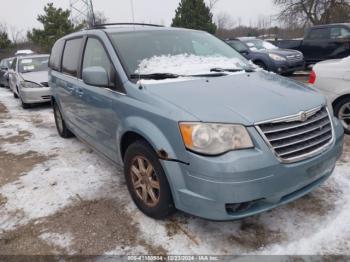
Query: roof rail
<point x="102" y="26"/>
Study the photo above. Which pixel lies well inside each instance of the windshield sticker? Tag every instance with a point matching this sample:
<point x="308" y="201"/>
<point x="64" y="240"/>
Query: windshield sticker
<point x="28" y="68"/>
<point x="27" y="61"/>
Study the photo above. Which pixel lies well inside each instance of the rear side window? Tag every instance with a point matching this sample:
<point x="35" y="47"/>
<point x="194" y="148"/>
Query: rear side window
<point x="319" y="33"/>
<point x="339" y="32"/>
<point x="71" y="56"/>
<point x="56" y="54"/>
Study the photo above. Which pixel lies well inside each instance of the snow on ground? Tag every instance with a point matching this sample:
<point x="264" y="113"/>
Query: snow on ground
<point x="60" y="240"/>
<point x="67" y="186"/>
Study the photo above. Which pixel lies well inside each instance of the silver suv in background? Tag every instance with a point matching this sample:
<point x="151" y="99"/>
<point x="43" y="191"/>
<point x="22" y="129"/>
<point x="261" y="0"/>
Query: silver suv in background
<point x="28" y="79"/>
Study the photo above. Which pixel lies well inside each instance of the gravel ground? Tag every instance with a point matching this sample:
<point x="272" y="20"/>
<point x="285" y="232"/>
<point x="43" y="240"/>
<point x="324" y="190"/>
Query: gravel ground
<point x="59" y="197"/>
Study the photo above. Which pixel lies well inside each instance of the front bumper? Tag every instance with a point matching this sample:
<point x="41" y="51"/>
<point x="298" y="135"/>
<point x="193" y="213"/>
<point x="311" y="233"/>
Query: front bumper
<point x="288" y="66"/>
<point x="35" y="95"/>
<point x="247" y="182"/>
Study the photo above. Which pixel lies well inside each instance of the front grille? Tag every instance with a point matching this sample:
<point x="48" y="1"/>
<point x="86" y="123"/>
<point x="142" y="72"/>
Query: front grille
<point x="293" y="138"/>
<point x="295" y="58"/>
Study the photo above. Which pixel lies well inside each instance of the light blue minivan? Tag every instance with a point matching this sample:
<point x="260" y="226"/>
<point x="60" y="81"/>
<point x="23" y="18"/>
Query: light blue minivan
<point x="196" y="126"/>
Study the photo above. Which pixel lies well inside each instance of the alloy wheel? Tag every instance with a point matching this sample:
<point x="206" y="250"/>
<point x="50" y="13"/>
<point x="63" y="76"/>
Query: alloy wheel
<point x="145" y="181"/>
<point x="344" y="115"/>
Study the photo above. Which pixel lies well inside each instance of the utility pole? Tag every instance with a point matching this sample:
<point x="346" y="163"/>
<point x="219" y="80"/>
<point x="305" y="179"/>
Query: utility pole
<point x="82" y="10"/>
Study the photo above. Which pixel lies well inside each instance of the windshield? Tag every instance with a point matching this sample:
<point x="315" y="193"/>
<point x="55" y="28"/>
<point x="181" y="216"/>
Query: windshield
<point x="175" y="51"/>
<point x="33" y="64"/>
<point x="257" y="44"/>
<point x="238" y="45"/>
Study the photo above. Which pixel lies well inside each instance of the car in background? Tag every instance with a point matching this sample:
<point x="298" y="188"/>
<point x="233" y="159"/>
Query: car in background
<point x="269" y="56"/>
<point x="24" y="52"/>
<point x="322" y="42"/>
<point x="28" y="79"/>
<point x="5" y="64"/>
<point x="195" y="125"/>
<point x="332" y="77"/>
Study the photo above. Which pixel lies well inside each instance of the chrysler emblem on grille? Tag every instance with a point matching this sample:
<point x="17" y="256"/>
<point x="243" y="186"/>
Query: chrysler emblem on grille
<point x="303" y="116"/>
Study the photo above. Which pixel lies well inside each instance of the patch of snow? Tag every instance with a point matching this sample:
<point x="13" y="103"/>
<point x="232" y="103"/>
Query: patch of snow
<point x="187" y="64"/>
<point x="72" y="173"/>
<point x="63" y="241"/>
<point x="134" y="250"/>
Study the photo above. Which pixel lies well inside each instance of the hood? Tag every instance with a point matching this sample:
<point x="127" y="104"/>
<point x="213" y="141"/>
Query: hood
<point x="332" y="62"/>
<point x="36" y="77"/>
<point x="239" y="98"/>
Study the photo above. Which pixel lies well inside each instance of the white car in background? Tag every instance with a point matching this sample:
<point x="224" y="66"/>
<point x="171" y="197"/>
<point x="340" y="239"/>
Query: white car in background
<point x="332" y="77"/>
<point x="28" y="79"/>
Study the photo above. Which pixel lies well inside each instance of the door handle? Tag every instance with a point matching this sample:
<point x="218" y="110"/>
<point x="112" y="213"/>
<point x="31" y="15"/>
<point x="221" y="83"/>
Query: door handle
<point x="80" y="92"/>
<point x="70" y="88"/>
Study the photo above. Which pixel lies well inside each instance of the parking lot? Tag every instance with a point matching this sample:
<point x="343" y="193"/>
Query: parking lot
<point x="59" y="197"/>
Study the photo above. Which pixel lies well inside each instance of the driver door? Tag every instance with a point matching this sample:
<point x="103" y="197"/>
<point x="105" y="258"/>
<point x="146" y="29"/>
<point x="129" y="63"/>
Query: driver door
<point x="99" y="105"/>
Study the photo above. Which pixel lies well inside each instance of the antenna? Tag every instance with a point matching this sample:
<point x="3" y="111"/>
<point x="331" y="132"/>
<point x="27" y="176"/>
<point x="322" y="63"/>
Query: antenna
<point x="82" y="10"/>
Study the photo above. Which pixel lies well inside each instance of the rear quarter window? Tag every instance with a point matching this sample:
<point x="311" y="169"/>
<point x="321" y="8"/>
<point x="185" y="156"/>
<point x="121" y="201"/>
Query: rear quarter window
<point x="56" y="54"/>
<point x="71" y="55"/>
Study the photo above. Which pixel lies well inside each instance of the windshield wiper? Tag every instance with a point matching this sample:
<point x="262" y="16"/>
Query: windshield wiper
<point x="231" y="70"/>
<point x="155" y="76"/>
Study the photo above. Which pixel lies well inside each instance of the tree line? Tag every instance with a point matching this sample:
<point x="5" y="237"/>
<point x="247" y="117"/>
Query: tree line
<point x="293" y="17"/>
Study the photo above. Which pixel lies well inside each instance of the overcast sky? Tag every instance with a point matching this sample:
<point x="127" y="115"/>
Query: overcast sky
<point x="22" y="13"/>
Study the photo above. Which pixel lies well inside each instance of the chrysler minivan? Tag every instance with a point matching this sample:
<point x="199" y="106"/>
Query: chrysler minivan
<point x="196" y="126"/>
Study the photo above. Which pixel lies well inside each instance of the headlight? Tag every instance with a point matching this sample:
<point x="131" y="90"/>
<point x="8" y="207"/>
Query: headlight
<point x="27" y="84"/>
<point x="277" y="57"/>
<point x="214" y="139"/>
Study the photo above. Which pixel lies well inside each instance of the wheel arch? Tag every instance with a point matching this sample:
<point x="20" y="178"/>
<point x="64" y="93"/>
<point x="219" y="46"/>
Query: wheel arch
<point x="135" y="128"/>
<point x="338" y="99"/>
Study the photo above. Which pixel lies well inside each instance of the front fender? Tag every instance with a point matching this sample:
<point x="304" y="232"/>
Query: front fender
<point x="155" y="136"/>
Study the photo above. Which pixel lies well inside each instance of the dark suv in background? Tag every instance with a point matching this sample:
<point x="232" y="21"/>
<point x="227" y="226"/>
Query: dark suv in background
<point x="268" y="56"/>
<point x="322" y="42"/>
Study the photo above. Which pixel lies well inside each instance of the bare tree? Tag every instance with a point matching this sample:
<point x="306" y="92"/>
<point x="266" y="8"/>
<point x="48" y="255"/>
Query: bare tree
<point x="17" y="35"/>
<point x="314" y="11"/>
<point x="224" y="21"/>
<point x="212" y="4"/>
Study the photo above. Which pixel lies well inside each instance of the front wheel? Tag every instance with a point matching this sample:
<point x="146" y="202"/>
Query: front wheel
<point x="25" y="105"/>
<point x="342" y="112"/>
<point x="62" y="129"/>
<point x="147" y="182"/>
<point x="261" y="65"/>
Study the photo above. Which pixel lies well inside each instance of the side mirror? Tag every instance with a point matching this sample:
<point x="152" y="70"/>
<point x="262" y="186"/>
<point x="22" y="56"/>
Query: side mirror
<point x="95" y="76"/>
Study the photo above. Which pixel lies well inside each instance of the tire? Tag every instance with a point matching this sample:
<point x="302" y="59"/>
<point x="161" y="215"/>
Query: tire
<point x="25" y="105"/>
<point x="288" y="74"/>
<point x="340" y="108"/>
<point x="61" y="126"/>
<point x="161" y="205"/>
<point x="261" y="64"/>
